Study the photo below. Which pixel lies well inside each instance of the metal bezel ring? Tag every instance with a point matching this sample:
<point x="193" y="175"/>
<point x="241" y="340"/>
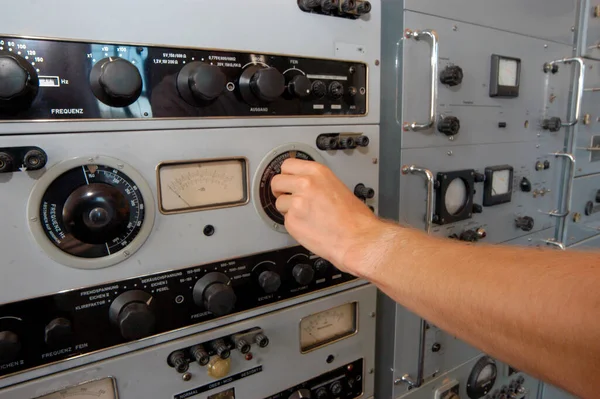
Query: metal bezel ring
<point x="35" y="224"/>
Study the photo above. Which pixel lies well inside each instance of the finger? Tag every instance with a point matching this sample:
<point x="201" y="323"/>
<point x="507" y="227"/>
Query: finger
<point x="283" y="203"/>
<point x="283" y="184"/>
<point x="294" y="166"/>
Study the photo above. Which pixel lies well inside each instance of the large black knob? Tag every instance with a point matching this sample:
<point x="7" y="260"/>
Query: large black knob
<point x="452" y="75"/>
<point x="553" y="124"/>
<point x="269" y="281"/>
<point x="132" y="312"/>
<point x="300" y="86"/>
<point x="301" y="394"/>
<point x="58" y="332"/>
<point x="199" y="82"/>
<point x="213" y="292"/>
<point x="19" y="82"/>
<point x="116" y="82"/>
<point x="449" y="125"/>
<point x="524" y="223"/>
<point x="303" y="273"/>
<point x="10" y="346"/>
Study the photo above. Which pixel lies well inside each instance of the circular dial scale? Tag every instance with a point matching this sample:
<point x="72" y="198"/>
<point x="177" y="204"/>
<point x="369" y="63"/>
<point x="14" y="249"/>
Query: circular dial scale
<point x="456" y="196"/>
<point x="101" y="389"/>
<point x="267" y="199"/>
<point x="92" y="211"/>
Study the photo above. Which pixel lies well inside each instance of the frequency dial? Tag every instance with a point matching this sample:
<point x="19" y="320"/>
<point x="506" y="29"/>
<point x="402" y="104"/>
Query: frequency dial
<point x="116" y="82"/>
<point x="213" y="292"/>
<point x="132" y="313"/>
<point x="199" y="82"/>
<point x="19" y="82"/>
<point x="261" y="84"/>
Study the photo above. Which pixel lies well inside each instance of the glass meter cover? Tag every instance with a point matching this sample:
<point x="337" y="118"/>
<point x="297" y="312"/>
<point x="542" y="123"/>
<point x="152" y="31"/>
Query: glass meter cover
<point x="99" y="389"/>
<point x="202" y="184"/>
<point x="505" y="77"/>
<point x="329" y="326"/>
<point x="498" y="185"/>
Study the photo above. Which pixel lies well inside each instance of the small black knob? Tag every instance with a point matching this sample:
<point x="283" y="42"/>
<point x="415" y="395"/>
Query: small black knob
<point x="35" y="159"/>
<point x="58" y="332"/>
<point x="452" y="75"/>
<point x="200" y="355"/>
<point x="553" y="124"/>
<point x="479" y="177"/>
<point x="308" y="5"/>
<point x="221" y="349"/>
<point x="243" y="346"/>
<point x="269" y="281"/>
<point x="267" y="84"/>
<point x="436" y="347"/>
<point x="348" y="5"/>
<point x="346" y="143"/>
<point x="116" y="82"/>
<point x="524" y="223"/>
<point x="300" y="86"/>
<point x="321" y="266"/>
<point x="178" y="361"/>
<point x="303" y="274"/>
<point x="362" y="141"/>
<point x="325" y="143"/>
<point x="336" y="90"/>
<point x="329" y="5"/>
<point x="363" y="192"/>
<point x="450" y="125"/>
<point x="19" y="83"/>
<point x="477" y="208"/>
<point x="301" y="394"/>
<point x="322" y="393"/>
<point x="546" y="164"/>
<point x="469" y="236"/>
<point x="132" y="314"/>
<point x="198" y="81"/>
<point x="336" y="388"/>
<point x="364" y="7"/>
<point x="261" y="340"/>
<point x="319" y="89"/>
<point x="6" y="162"/>
<point x="10" y="346"/>
<point x="525" y="185"/>
<point x="213" y="292"/>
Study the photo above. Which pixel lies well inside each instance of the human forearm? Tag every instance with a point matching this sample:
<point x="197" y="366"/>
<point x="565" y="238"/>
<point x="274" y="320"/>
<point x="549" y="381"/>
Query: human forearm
<point x="530" y="308"/>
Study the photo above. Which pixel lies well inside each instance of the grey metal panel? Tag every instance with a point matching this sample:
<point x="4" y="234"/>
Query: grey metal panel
<point x="498" y="220"/>
<point x="145" y="373"/>
<point x="550" y="20"/>
<point x="176" y="240"/>
<point x="479" y="114"/>
<point x="550" y="392"/>
<point x="579" y="225"/>
<point x="233" y="24"/>
<point x="587" y="134"/>
<point x="588" y="31"/>
<point x="593" y="242"/>
<point x="532" y="240"/>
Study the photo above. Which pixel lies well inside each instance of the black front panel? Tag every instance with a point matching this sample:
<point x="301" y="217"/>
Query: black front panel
<point x="48" y="329"/>
<point x="345" y="382"/>
<point x="59" y="80"/>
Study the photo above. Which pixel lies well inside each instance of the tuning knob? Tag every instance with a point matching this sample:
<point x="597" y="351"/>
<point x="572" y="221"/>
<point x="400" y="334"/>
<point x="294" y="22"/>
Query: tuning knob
<point x="58" y="332"/>
<point x="303" y="274"/>
<point x="450" y="125"/>
<point x="452" y="75"/>
<point x="214" y="293"/>
<point x="116" y="82"/>
<point x="259" y="84"/>
<point x="553" y="124"/>
<point x="19" y="82"/>
<point x="300" y="86"/>
<point x="269" y="281"/>
<point x="300" y="394"/>
<point x="524" y="223"/>
<point x="10" y="346"/>
<point x="336" y="90"/>
<point x="132" y="313"/>
<point x="198" y="82"/>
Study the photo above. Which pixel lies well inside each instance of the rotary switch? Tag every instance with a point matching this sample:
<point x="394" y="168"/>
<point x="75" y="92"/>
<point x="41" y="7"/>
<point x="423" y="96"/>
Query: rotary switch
<point x="200" y="82"/>
<point x="300" y="86"/>
<point x="213" y="292"/>
<point x="449" y="125"/>
<point x="19" y="82"/>
<point x="132" y="312"/>
<point x="553" y="124"/>
<point x="116" y="82"/>
<point x="303" y="273"/>
<point x="319" y="89"/>
<point x="301" y="394"/>
<point x="524" y="223"/>
<point x="260" y="84"/>
<point x="452" y="76"/>
<point x="269" y="281"/>
<point x="58" y="332"/>
<point x="10" y="346"/>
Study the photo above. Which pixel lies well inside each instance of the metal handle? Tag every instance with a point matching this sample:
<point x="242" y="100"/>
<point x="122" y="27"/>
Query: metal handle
<point x="413" y="169"/>
<point x="548" y="67"/>
<point x="432" y="37"/>
<point x="552" y="241"/>
<point x="565" y="213"/>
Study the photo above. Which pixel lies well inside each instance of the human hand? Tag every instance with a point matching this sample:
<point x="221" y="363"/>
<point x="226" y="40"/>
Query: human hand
<point x="321" y="213"/>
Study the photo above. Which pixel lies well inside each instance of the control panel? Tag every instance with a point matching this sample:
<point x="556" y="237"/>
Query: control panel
<point x="58" y="80"/>
<point x="48" y="329"/>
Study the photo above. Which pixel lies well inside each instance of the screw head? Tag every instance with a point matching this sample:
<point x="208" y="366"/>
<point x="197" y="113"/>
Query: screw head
<point x="186" y="376"/>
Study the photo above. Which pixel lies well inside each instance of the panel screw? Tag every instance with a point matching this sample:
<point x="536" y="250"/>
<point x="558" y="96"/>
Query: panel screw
<point x="126" y="253"/>
<point x="552" y="98"/>
<point x="372" y="314"/>
<point x="449" y="153"/>
<point x="375" y="160"/>
<point x="545" y="46"/>
<point x="371" y="371"/>
<point x="451" y="138"/>
<point x="186" y="376"/>
<point x="376" y="62"/>
<point x="455" y="28"/>
<point x="120" y="166"/>
<point x="34" y="219"/>
<point x="576" y="217"/>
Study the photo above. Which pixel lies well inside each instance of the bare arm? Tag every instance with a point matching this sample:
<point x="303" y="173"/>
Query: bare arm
<point x="536" y="309"/>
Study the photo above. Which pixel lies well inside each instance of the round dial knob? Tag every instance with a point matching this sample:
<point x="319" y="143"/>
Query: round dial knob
<point x="58" y="332"/>
<point x="300" y="86"/>
<point x="197" y="82"/>
<point x="303" y="273"/>
<point x="132" y="313"/>
<point x="525" y="223"/>
<point x="525" y="185"/>
<point x="322" y="393"/>
<point x="322" y="266"/>
<point x="116" y="82"/>
<point x="260" y="84"/>
<point x="452" y="75"/>
<point x="35" y="159"/>
<point x="214" y="293"/>
<point x="9" y="346"/>
<point x="319" y="89"/>
<point x="19" y="82"/>
<point x="6" y="162"/>
<point x="269" y="281"/>
<point x="553" y="124"/>
<point x="449" y="125"/>
<point x="300" y="394"/>
<point x="336" y="90"/>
